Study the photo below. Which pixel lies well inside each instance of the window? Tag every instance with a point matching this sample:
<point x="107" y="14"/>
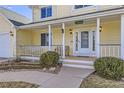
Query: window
<point x="46" y="12"/>
<point x="81" y="6"/>
<point x="85" y="39"/>
<point x="45" y="39"/>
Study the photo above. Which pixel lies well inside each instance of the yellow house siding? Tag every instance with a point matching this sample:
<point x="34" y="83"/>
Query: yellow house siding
<point x="67" y="10"/>
<point x="63" y="10"/>
<point x="24" y="37"/>
<point x="110" y="33"/>
<point x="37" y="36"/>
<point x="5" y="26"/>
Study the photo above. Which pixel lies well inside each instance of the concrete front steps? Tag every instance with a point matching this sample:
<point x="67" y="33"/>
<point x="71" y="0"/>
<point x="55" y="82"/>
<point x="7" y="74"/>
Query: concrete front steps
<point x="78" y="63"/>
<point x="69" y="62"/>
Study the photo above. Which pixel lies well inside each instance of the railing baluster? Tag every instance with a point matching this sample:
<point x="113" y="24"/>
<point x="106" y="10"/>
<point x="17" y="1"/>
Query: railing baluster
<point x="113" y="50"/>
<point x="105" y="51"/>
<point x="110" y="50"/>
<point x="35" y="50"/>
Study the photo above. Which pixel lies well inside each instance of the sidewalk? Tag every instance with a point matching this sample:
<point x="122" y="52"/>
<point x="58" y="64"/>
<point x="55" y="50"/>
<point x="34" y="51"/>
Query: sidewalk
<point x="67" y="78"/>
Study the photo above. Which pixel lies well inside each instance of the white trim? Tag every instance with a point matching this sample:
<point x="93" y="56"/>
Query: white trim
<point x="49" y="32"/>
<point x="15" y="40"/>
<point x="4" y="33"/>
<point x="73" y="44"/>
<point x="98" y="37"/>
<point x="122" y="37"/>
<point x="63" y="41"/>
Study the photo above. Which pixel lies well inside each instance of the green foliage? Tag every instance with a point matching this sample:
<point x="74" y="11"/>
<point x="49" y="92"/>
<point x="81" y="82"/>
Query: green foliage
<point x="109" y="67"/>
<point x="49" y="58"/>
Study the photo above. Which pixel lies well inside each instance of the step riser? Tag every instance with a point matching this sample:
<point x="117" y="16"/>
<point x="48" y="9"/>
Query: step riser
<point x="74" y="63"/>
<point x="79" y="61"/>
<point x="79" y="66"/>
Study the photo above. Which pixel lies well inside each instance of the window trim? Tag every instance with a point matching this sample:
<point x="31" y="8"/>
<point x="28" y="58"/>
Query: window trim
<point x="46" y="10"/>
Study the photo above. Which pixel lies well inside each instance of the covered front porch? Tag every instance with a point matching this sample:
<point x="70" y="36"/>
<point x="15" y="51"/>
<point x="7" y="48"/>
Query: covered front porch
<point x="90" y="38"/>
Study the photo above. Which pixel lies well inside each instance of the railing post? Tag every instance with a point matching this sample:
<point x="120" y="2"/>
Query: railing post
<point x="49" y="30"/>
<point x="98" y="38"/>
<point x="63" y="40"/>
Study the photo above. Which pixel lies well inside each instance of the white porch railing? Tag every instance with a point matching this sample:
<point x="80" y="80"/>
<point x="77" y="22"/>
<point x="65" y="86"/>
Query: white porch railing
<point x="110" y="50"/>
<point x="37" y="50"/>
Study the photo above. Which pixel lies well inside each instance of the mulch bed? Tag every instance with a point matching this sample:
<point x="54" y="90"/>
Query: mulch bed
<point x="17" y="84"/>
<point x="18" y="66"/>
<point x="95" y="81"/>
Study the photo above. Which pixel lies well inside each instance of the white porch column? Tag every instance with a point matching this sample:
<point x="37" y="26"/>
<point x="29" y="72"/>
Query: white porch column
<point x="49" y="30"/>
<point x="98" y="38"/>
<point x="63" y="40"/>
<point x="122" y="37"/>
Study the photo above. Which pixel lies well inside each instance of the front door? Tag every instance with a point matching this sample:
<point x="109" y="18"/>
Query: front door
<point x="84" y="43"/>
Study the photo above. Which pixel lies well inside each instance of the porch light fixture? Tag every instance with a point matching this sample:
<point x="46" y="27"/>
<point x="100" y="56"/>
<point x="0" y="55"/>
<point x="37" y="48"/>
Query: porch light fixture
<point x="70" y="30"/>
<point x="100" y="29"/>
<point x="62" y="31"/>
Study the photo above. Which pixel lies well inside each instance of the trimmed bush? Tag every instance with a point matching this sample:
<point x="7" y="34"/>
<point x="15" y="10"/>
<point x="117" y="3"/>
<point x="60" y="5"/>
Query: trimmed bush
<point x="109" y="68"/>
<point x="49" y="58"/>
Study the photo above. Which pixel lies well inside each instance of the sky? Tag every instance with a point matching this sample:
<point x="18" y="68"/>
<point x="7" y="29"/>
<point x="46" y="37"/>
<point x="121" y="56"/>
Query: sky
<point x="21" y="9"/>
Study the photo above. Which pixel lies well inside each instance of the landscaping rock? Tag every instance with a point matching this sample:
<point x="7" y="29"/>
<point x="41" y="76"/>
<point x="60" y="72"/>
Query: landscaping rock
<point x="44" y="69"/>
<point x="52" y="69"/>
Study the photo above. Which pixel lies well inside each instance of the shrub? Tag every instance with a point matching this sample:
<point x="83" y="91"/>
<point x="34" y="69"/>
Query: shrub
<point x="109" y="68"/>
<point x="49" y="58"/>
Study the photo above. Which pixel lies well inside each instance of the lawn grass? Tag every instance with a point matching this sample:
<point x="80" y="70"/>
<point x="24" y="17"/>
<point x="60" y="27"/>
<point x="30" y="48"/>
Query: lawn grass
<point x="17" y="84"/>
<point x="95" y="81"/>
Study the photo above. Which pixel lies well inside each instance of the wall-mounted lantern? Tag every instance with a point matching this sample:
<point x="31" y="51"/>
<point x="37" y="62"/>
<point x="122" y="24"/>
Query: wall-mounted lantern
<point x="101" y="29"/>
<point x="11" y="33"/>
<point x="70" y="31"/>
<point x="62" y="31"/>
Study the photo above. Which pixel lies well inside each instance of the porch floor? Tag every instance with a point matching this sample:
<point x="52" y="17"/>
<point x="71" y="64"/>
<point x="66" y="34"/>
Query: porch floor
<point x="81" y="58"/>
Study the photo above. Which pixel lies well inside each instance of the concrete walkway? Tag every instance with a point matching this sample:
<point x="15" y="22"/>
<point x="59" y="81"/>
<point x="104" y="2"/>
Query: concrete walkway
<point x="67" y="78"/>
